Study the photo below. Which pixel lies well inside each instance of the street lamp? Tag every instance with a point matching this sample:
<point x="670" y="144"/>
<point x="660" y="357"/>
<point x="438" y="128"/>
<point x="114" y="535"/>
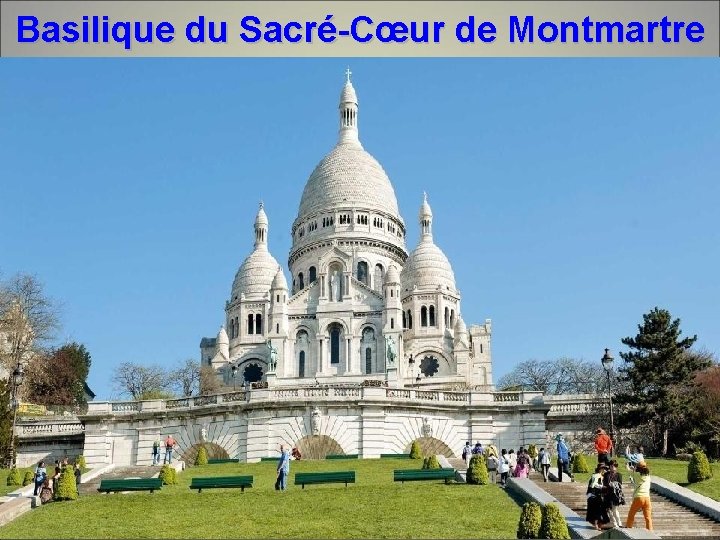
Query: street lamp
<point x="17" y="379"/>
<point x="234" y="371"/>
<point x="607" y="364"/>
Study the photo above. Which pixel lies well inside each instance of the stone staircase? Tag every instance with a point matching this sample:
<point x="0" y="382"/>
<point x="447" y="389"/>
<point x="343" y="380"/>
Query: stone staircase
<point x="670" y="520"/>
<point x="118" y="473"/>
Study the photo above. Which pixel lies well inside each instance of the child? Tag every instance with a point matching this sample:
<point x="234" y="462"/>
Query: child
<point x="544" y="460"/>
<point x="641" y="498"/>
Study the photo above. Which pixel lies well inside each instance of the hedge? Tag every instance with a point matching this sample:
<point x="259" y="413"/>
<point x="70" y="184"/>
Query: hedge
<point x="477" y="472"/>
<point x="580" y="464"/>
<point x="14" y="478"/>
<point x="168" y="475"/>
<point x="66" y="486"/>
<point x="698" y="468"/>
<point x="530" y="521"/>
<point x="415" y="452"/>
<point x="553" y="525"/>
<point x="202" y="457"/>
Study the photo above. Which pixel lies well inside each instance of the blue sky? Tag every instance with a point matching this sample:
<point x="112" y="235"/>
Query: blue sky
<point x="570" y="195"/>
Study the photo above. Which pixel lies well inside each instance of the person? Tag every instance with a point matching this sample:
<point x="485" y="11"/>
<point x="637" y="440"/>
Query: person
<point x="78" y="476"/>
<point x="544" y="461"/>
<point x="477" y="449"/>
<point x="296" y="455"/>
<point x="641" y="499"/>
<point x="466" y="453"/>
<point x="512" y="460"/>
<point x="56" y="478"/>
<point x="603" y="446"/>
<point x="596" y="513"/>
<point x="156" y="451"/>
<point x="633" y="460"/>
<point x="492" y="466"/>
<point x="613" y="493"/>
<point x="503" y="467"/>
<point x="46" y="492"/>
<point x="169" y="445"/>
<point x="40" y="475"/>
<point x="283" y="469"/>
<point x="522" y="468"/>
<point x="563" y="458"/>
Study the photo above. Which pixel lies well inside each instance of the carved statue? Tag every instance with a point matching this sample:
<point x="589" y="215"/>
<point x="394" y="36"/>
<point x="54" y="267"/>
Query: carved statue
<point x="203" y="433"/>
<point x="315" y="421"/>
<point x="391" y="351"/>
<point x="335" y="287"/>
<point x="273" y="352"/>
<point x="426" y="427"/>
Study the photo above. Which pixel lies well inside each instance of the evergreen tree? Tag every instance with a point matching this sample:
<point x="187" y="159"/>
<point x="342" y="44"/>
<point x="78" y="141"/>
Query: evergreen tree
<point x="658" y="369"/>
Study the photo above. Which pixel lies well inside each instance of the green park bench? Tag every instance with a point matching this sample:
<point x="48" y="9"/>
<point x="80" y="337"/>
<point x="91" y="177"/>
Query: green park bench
<point x="409" y="475"/>
<point x="339" y="477"/>
<point x="270" y="458"/>
<point x="395" y="456"/>
<point x="341" y="456"/>
<point x="210" y="482"/>
<point x="222" y="460"/>
<point x="130" y="484"/>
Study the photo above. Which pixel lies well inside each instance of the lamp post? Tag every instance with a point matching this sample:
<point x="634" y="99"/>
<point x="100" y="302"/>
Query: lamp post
<point x="607" y="364"/>
<point x="17" y="379"/>
<point x="234" y="371"/>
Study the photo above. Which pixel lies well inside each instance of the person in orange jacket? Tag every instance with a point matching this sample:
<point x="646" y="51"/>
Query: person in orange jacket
<point x="603" y="446"/>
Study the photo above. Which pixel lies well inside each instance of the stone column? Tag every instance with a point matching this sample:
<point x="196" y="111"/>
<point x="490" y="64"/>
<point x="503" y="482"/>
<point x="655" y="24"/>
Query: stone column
<point x="348" y="364"/>
<point x="321" y="355"/>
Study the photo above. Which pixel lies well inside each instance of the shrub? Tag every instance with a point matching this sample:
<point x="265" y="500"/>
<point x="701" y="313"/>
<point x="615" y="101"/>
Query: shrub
<point x="530" y="521"/>
<point x="553" y="524"/>
<point x="532" y="451"/>
<point x="81" y="463"/>
<point x="433" y="462"/>
<point x="415" y="452"/>
<point x="202" y="457"/>
<point x="28" y="479"/>
<point x="14" y="478"/>
<point x="698" y="468"/>
<point x="66" y="486"/>
<point x="477" y="471"/>
<point x="168" y="475"/>
<point x="580" y="464"/>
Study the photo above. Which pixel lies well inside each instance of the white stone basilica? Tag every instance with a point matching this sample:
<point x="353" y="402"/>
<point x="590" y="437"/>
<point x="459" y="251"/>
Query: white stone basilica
<point x="357" y="298"/>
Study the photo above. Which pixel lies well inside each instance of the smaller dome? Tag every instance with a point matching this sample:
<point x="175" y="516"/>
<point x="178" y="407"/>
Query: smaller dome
<point x="261" y="218"/>
<point x="222" y="337"/>
<point x="460" y="327"/>
<point x="392" y="276"/>
<point x="348" y="94"/>
<point x="256" y="274"/>
<point x="428" y="268"/>
<point x="279" y="281"/>
<point x="425" y="210"/>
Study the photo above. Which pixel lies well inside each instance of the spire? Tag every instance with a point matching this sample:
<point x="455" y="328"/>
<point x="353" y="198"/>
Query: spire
<point x="425" y="217"/>
<point x="348" y="112"/>
<point x="261" y="228"/>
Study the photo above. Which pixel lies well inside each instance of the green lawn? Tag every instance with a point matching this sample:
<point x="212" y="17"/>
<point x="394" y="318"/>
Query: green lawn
<point x="374" y="507"/>
<point x="669" y="469"/>
<point x="4" y="488"/>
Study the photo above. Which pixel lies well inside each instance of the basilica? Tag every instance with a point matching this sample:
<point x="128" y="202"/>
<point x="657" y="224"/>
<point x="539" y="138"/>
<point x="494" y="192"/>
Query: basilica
<point x="357" y="305"/>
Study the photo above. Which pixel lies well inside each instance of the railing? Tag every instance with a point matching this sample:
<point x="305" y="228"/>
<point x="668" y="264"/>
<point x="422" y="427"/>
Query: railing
<point x="45" y="429"/>
<point x="559" y="405"/>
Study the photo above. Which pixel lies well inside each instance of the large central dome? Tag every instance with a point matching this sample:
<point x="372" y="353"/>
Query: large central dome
<point x="348" y="177"/>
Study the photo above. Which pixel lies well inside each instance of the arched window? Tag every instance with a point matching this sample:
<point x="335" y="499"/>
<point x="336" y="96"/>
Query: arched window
<point x="258" y="324"/>
<point x="368" y="360"/>
<point x="404" y="321"/>
<point x="250" y="324"/>
<point x="378" y="277"/>
<point x="277" y="328"/>
<point x="313" y="275"/>
<point x="447" y="317"/>
<point x="432" y="316"/>
<point x="335" y="331"/>
<point x="301" y="364"/>
<point x="423" y="316"/>
<point x="362" y="272"/>
<point x="452" y="318"/>
<point x="392" y="323"/>
<point x="409" y="319"/>
<point x="301" y="280"/>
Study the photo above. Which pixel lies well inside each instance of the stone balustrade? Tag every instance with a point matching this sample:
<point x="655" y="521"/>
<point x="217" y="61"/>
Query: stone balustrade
<point x="49" y="429"/>
<point x="332" y="393"/>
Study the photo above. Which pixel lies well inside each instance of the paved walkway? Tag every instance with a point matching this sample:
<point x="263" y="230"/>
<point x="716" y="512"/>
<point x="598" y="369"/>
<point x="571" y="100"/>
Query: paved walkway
<point x="119" y="473"/>
<point x="670" y="520"/>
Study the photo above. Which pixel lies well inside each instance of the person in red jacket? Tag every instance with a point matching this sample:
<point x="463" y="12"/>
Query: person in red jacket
<point x="603" y="446"/>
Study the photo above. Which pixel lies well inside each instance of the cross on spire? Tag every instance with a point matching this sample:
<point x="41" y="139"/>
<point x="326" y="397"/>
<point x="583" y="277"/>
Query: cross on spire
<point x="347" y="74"/>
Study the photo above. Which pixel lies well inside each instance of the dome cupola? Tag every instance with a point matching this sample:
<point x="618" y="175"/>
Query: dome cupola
<point x="256" y="273"/>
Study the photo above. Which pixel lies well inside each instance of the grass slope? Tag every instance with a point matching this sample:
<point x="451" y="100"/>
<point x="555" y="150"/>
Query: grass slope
<point x="374" y="507"/>
<point x="4" y="488"/>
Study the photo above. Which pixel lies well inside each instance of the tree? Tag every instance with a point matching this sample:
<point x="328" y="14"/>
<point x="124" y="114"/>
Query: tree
<point x="186" y="378"/>
<point x="209" y="382"/>
<point x="139" y="382"/>
<point x="58" y="377"/>
<point x="559" y="376"/>
<point x="28" y="319"/>
<point x="658" y="369"/>
<point x="705" y="409"/>
<point x="6" y="420"/>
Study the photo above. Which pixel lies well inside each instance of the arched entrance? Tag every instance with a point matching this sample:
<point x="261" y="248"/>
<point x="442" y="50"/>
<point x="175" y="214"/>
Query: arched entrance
<point x="214" y="451"/>
<point x="432" y="446"/>
<point x="318" y="446"/>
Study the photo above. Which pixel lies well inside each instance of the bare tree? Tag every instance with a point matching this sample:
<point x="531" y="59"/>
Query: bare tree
<point x="559" y="376"/>
<point x="209" y="383"/>
<point x="186" y="378"/>
<point x="139" y="382"/>
<point x="28" y="319"/>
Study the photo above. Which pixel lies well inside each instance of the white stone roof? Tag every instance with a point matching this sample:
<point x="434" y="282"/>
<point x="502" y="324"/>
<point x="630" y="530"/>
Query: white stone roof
<point x="348" y="94"/>
<point x="261" y="218"/>
<point x="460" y="327"/>
<point x="256" y="274"/>
<point x="279" y="281"/>
<point x="392" y="275"/>
<point x="222" y="337"/>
